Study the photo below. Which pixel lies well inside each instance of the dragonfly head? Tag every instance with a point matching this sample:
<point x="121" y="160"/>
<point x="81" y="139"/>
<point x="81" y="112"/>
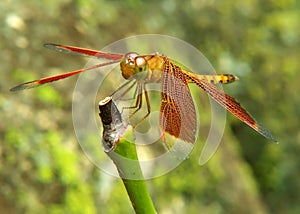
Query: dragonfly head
<point x="134" y="66"/>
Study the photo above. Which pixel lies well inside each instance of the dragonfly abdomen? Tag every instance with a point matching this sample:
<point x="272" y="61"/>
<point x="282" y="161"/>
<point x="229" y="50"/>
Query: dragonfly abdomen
<point x="220" y="78"/>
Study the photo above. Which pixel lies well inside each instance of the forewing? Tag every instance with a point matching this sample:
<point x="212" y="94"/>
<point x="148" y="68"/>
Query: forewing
<point x="83" y="52"/>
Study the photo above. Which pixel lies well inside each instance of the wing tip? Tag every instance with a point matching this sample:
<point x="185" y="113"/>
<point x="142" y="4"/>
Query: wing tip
<point x="50" y="45"/>
<point x="17" y="88"/>
<point x="27" y="85"/>
<point x="54" y="47"/>
<point x="266" y="133"/>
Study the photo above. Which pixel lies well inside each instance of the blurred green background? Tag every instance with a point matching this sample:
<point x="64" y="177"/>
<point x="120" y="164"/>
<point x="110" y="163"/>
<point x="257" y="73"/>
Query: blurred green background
<point x="43" y="169"/>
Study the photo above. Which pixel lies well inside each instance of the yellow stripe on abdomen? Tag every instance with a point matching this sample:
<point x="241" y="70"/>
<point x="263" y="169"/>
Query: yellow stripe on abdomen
<point x="220" y="78"/>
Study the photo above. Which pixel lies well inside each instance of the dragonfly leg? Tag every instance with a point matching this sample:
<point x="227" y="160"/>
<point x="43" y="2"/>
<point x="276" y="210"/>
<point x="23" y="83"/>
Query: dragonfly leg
<point x="138" y="102"/>
<point x="145" y="92"/>
<point x="140" y="91"/>
<point x="119" y="97"/>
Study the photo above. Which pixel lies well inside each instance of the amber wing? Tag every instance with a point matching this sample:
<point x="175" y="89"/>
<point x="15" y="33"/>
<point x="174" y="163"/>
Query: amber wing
<point x="229" y="104"/>
<point x="177" y="109"/>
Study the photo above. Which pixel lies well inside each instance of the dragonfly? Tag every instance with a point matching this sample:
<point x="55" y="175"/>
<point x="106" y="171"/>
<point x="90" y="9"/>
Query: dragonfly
<point x="177" y="109"/>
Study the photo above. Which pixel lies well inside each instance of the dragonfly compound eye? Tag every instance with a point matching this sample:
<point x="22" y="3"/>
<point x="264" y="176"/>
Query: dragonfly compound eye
<point x="129" y="58"/>
<point x="131" y="55"/>
<point x="140" y="61"/>
<point x="140" y="66"/>
<point x="132" y="64"/>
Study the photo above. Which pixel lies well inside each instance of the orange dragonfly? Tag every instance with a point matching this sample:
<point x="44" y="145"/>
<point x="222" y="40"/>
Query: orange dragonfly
<point x="177" y="110"/>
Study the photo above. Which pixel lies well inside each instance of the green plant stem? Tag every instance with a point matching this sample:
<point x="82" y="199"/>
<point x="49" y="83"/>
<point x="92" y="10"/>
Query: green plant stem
<point x="118" y="143"/>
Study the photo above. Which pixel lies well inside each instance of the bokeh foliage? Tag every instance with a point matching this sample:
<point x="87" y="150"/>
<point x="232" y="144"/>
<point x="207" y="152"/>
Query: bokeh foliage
<point x="42" y="168"/>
